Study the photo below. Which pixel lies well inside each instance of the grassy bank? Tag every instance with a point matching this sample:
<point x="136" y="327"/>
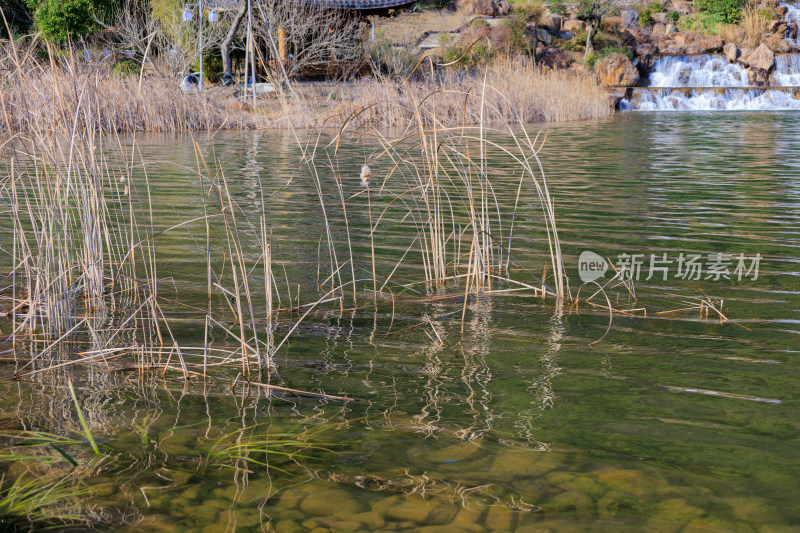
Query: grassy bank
<point x="506" y="91"/>
<point x="64" y="94"/>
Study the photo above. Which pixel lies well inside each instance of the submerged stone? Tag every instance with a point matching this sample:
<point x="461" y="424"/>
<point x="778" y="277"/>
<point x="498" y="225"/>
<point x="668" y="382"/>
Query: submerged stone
<point x="571" y="500"/>
<point x="523" y="462"/>
<point x="329" y="502"/>
<point x="678" y="510"/>
<point x="500" y="518"/>
<point x="412" y="510"/>
<point x="287" y="526"/>
<point x="454" y="453"/>
<point x="708" y="524"/>
<point x="467" y="519"/>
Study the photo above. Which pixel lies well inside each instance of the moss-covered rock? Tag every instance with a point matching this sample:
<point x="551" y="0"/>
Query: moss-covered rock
<point x="329" y="502"/>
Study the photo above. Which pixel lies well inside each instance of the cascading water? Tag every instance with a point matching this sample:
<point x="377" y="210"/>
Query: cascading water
<point x="792" y="16"/>
<point x="723" y="98"/>
<point x="709" y="82"/>
<point x="696" y="71"/>
<point x="787" y="70"/>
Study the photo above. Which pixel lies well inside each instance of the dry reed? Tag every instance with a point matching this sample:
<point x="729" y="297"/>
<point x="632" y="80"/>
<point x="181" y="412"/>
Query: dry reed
<point x="521" y="93"/>
<point x="59" y="94"/>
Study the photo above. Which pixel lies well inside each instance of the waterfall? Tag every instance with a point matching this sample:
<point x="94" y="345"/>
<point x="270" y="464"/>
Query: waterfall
<point x="708" y="82"/>
<point x="792" y="17"/>
<point x="729" y="99"/>
<point x="696" y="71"/>
<point x="787" y="70"/>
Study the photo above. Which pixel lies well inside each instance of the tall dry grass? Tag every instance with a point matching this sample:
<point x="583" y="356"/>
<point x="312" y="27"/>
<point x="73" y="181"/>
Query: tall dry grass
<point x="755" y="23"/>
<point x="519" y="92"/>
<point x="62" y="92"/>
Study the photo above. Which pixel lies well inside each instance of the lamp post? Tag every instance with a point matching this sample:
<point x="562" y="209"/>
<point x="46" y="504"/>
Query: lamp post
<point x="188" y="14"/>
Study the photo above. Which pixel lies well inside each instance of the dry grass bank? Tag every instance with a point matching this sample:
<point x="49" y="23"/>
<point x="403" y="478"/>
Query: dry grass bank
<point x="515" y="91"/>
<point x="65" y="95"/>
<point x="59" y="96"/>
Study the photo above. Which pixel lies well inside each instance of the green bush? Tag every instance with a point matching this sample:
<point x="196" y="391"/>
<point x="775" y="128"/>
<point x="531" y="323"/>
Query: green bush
<point x="212" y="68"/>
<point x="591" y="59"/>
<point x="722" y="11"/>
<point x="617" y="48"/>
<point x="646" y="12"/>
<point x="126" y="67"/>
<point x="558" y="7"/>
<point x="61" y="20"/>
<point x="673" y="16"/>
<point x="517" y="26"/>
<point x="699" y="22"/>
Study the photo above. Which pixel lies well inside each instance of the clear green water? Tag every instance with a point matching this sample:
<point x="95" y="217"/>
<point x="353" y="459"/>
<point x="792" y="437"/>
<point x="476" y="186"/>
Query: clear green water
<point x="518" y="425"/>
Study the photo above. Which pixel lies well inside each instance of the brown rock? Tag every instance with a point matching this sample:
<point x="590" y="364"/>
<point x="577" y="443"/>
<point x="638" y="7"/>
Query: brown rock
<point x="781" y="11"/>
<point x="760" y="58"/>
<point x="731" y="52"/>
<point x="574" y="25"/>
<point x="553" y="22"/>
<point x="670" y="29"/>
<point x="683" y="38"/>
<point x="693" y="49"/>
<point x="776" y="43"/>
<point x="486" y="8"/>
<point x="778" y="27"/>
<point x="646" y="49"/>
<point x="658" y="29"/>
<point x="616" y="70"/>
<point x="710" y="44"/>
<point x="554" y="58"/>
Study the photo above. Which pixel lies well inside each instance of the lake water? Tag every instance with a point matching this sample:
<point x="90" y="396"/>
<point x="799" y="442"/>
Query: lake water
<point x="676" y="421"/>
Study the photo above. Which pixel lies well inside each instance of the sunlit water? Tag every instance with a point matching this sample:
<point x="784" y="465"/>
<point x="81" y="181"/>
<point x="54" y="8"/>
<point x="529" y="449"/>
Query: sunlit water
<point x="674" y="422"/>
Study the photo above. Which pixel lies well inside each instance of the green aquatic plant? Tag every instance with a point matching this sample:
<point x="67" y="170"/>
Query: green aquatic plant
<point x="39" y="503"/>
<point x="86" y="431"/>
<point x="258" y="447"/>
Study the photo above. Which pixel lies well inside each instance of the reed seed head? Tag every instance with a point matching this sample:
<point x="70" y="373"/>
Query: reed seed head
<point x="366" y="175"/>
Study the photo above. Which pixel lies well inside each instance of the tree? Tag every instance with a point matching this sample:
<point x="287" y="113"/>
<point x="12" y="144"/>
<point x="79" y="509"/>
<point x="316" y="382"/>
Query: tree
<point x="60" y="20"/>
<point x="313" y="36"/>
<point x="227" y="43"/>
<point x="593" y="12"/>
<point x="17" y="16"/>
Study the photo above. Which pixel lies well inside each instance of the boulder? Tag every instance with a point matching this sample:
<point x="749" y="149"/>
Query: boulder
<point x="710" y="45"/>
<point x="553" y="22"/>
<point x="757" y="77"/>
<point x="646" y="49"/>
<point x="616" y="70"/>
<point x="781" y="11"/>
<point x="778" y="27"/>
<point x="692" y="49"/>
<point x="574" y="25"/>
<point x="542" y="35"/>
<point x="670" y="28"/>
<point x="683" y="38"/>
<point x="761" y="58"/>
<point x="732" y="52"/>
<point x="554" y="58"/>
<point x="791" y="32"/>
<point x="777" y="43"/>
<point x="630" y="18"/>
<point x="659" y="17"/>
<point x="659" y="29"/>
<point x="486" y="8"/>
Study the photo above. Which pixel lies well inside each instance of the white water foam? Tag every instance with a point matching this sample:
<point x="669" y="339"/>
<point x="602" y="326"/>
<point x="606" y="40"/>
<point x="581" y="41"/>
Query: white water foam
<point x="792" y="17"/>
<point x="713" y="99"/>
<point x="696" y="71"/>
<point x="787" y="70"/>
